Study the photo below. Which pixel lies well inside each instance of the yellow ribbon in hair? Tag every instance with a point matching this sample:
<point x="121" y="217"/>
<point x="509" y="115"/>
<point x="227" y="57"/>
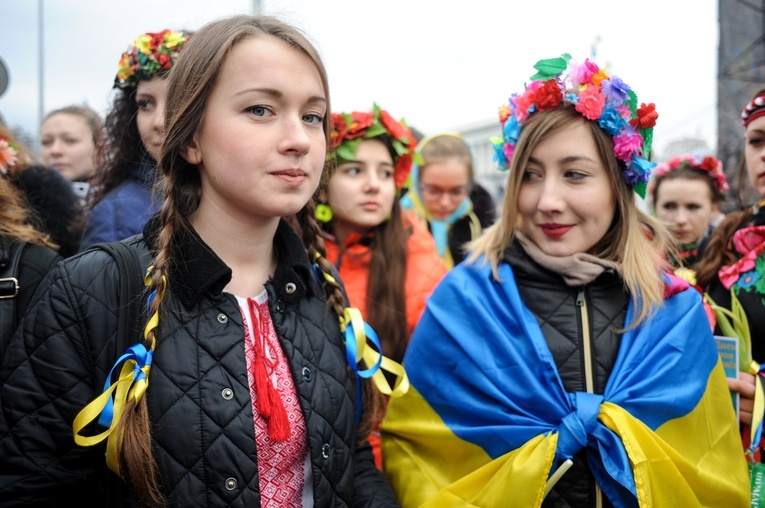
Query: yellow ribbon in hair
<point x="356" y="332"/>
<point x="132" y="383"/>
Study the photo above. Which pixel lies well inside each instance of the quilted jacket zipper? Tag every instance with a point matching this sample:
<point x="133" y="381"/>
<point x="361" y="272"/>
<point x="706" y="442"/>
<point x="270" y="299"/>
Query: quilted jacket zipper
<point x="589" y="382"/>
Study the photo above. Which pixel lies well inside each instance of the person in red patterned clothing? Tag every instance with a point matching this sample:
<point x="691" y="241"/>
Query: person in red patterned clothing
<point x="239" y="392"/>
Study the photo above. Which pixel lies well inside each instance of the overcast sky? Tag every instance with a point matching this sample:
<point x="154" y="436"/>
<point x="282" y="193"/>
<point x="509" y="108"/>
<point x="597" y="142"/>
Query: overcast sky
<point x="440" y="64"/>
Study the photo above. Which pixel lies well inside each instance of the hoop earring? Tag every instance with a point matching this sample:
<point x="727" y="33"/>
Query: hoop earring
<point x="323" y="213"/>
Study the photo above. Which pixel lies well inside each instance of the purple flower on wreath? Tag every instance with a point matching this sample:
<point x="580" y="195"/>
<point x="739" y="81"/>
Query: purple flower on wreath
<point x="642" y="168"/>
<point x="616" y="90"/>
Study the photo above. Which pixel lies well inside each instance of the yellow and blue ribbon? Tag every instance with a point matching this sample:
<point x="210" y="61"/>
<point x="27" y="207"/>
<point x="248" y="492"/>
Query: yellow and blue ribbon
<point x="356" y="332"/>
<point x="132" y="383"/>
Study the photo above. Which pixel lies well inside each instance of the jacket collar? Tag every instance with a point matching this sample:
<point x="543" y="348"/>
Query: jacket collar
<point x="197" y="270"/>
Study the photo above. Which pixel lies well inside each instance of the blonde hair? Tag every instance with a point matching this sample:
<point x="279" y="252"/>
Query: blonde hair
<point x="635" y="241"/>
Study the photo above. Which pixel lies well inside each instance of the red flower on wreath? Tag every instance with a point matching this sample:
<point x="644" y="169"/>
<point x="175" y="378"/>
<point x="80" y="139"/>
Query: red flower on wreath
<point x="396" y="129"/>
<point x="339" y="129"/>
<point x="403" y="166"/>
<point x="360" y="122"/>
<point x="548" y="95"/>
<point x="646" y="116"/>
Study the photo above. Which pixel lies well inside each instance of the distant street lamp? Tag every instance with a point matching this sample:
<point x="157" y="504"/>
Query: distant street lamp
<point x="41" y="63"/>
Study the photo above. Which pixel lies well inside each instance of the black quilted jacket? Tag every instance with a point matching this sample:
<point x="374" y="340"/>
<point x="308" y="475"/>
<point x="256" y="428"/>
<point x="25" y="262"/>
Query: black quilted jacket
<point x="554" y="304"/>
<point x="199" y="398"/>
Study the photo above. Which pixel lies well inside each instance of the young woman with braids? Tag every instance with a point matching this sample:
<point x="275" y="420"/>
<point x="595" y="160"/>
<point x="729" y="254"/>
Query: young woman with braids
<point x="386" y="257"/>
<point x="239" y="393"/>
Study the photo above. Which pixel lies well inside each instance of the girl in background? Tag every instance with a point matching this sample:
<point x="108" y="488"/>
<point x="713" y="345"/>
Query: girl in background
<point x="238" y="393"/>
<point x="685" y="193"/>
<point x="71" y="140"/>
<point x="447" y="198"/>
<point x="54" y="207"/>
<point x="122" y="201"/>
<point x="385" y="256"/>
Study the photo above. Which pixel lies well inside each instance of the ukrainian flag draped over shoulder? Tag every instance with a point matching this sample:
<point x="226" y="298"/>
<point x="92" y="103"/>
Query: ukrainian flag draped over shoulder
<point x="486" y="420"/>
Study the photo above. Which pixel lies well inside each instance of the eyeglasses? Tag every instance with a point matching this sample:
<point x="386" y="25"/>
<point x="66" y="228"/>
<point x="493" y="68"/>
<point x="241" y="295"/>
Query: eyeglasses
<point x="433" y="193"/>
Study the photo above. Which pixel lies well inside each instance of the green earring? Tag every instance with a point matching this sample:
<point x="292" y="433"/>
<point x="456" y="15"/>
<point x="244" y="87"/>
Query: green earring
<point x="323" y="213"/>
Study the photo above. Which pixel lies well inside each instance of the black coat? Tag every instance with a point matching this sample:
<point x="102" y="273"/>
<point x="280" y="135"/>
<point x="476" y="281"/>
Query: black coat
<point x="199" y="396"/>
<point x="469" y="227"/>
<point x="35" y="263"/>
<point x="554" y="304"/>
<point x="56" y="207"/>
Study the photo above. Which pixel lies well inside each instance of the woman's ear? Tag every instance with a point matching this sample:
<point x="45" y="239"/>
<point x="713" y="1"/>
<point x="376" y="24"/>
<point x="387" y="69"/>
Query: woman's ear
<point x="191" y="152"/>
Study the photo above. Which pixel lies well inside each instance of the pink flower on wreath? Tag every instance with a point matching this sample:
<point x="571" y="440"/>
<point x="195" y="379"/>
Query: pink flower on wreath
<point x="8" y="156"/>
<point x="591" y="103"/>
<point x="581" y="74"/>
<point x="522" y="104"/>
<point x="627" y="144"/>
<point x="509" y="150"/>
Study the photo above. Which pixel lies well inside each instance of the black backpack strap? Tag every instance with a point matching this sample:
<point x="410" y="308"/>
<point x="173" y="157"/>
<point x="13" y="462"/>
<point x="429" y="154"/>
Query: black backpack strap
<point x="10" y="257"/>
<point x="131" y="292"/>
<point x="129" y="330"/>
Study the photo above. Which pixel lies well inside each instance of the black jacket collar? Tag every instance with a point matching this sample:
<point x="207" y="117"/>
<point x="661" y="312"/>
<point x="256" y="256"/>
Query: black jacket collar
<point x="196" y="270"/>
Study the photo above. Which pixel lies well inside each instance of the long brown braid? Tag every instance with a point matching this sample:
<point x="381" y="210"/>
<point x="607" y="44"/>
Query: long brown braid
<point x="373" y="400"/>
<point x="189" y="85"/>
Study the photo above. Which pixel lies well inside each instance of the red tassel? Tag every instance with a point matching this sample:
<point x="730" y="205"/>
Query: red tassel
<point x="262" y="386"/>
<point x="278" y="423"/>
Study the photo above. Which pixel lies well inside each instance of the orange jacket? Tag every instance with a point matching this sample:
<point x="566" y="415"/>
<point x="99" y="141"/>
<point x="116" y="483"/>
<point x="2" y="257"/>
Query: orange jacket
<point x="424" y="269"/>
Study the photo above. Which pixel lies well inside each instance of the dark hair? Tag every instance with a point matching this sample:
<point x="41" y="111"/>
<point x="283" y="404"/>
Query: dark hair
<point x="688" y="173"/>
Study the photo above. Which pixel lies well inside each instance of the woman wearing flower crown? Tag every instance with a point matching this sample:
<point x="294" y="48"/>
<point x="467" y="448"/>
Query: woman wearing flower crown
<point x="685" y="193"/>
<point x="20" y="238"/>
<point x="122" y="201"/>
<point x="559" y="362"/>
<point x="386" y="258"/>
<point x="732" y="270"/>
<point x="244" y="389"/>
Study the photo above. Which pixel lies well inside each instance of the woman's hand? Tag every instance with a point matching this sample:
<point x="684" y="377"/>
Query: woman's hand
<point x="745" y="387"/>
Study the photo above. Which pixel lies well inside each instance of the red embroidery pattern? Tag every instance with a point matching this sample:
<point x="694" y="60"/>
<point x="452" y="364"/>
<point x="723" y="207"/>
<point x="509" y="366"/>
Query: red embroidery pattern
<point x="280" y="463"/>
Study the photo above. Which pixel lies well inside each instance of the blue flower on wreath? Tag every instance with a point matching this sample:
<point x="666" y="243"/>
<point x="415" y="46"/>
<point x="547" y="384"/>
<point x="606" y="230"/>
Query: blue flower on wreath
<point x="611" y="120"/>
<point x="748" y="279"/>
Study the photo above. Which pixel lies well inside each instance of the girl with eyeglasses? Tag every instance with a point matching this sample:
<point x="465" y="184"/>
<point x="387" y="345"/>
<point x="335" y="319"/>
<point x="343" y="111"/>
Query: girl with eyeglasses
<point x="444" y="194"/>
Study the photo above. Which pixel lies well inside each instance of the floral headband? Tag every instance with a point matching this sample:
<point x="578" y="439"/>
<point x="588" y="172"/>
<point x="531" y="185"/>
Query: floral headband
<point x="708" y="164"/>
<point x="596" y="96"/>
<point x="348" y="129"/>
<point x="754" y="109"/>
<point x="8" y="156"/>
<point x="151" y="54"/>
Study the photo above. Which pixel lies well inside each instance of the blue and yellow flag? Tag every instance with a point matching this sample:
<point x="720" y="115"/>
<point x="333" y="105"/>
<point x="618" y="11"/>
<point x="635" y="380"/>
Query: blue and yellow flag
<point x="487" y="420"/>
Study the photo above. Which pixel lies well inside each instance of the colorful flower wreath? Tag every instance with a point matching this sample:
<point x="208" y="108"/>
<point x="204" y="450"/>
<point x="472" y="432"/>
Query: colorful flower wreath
<point x="151" y="54"/>
<point x="8" y="156"/>
<point x="706" y="164"/>
<point x="348" y="129"/>
<point x="598" y="97"/>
